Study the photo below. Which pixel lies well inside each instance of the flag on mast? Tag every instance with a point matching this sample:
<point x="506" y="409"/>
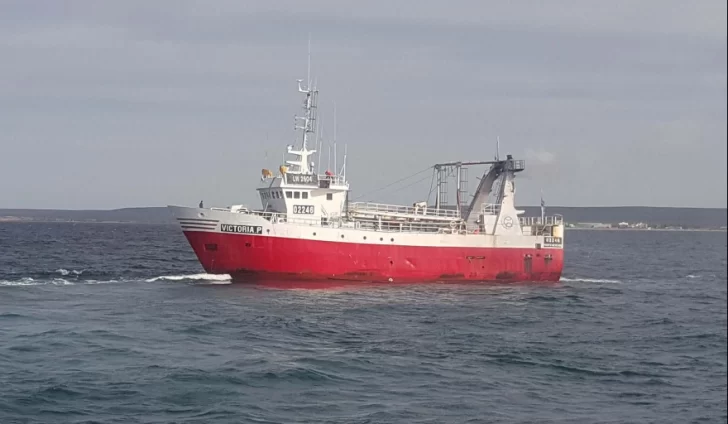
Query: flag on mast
<point x="543" y="208"/>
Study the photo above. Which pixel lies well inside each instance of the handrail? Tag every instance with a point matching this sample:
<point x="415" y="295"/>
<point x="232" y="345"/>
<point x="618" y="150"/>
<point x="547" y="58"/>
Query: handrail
<point x="490" y="208"/>
<point x="516" y="165"/>
<point x="546" y="221"/>
<point x="454" y="226"/>
<point x="402" y="210"/>
<point x="394" y="226"/>
<point x="336" y="179"/>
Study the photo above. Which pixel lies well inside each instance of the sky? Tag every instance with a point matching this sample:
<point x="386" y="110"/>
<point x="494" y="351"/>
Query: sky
<point x="137" y="103"/>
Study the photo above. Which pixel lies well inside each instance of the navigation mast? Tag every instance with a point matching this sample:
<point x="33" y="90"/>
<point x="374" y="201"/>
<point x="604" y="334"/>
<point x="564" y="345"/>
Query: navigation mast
<point x="305" y="123"/>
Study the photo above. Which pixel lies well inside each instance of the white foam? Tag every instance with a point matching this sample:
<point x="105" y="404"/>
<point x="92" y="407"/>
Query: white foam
<point x="31" y="282"/>
<point x="590" y="280"/>
<point x="21" y="282"/>
<point x="28" y="281"/>
<point x="100" y="281"/>
<point x="212" y="278"/>
<point x="65" y="272"/>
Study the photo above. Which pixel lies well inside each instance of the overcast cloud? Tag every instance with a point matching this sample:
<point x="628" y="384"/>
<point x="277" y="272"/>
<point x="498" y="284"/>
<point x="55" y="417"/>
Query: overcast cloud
<point x="139" y="103"/>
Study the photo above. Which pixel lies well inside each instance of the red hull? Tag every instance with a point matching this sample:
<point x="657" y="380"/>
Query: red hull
<point x="260" y="258"/>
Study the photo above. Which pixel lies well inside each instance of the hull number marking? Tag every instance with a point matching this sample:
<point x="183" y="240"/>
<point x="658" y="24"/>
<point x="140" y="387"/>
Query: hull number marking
<point x="303" y="209"/>
<point x="552" y="241"/>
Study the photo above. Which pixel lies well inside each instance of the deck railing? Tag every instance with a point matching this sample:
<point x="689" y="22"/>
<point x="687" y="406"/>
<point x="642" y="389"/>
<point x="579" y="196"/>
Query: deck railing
<point x="335" y="179"/>
<point x="381" y="208"/>
<point x="490" y="209"/>
<point x="516" y="165"/>
<point x="538" y="221"/>
<point x="392" y="226"/>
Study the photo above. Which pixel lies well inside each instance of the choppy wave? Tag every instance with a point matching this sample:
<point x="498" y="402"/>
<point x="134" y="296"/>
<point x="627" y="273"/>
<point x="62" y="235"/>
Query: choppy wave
<point x="219" y="278"/>
<point x="27" y="281"/>
<point x="56" y="281"/>
<point x="590" y="280"/>
<point x="207" y="278"/>
<point x="154" y="346"/>
<point x="64" y="272"/>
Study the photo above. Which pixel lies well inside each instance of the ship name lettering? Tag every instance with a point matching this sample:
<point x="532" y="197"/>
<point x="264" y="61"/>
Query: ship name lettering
<point x="241" y="229"/>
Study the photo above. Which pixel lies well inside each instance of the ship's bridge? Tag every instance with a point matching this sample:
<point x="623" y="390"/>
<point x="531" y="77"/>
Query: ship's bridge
<point x="309" y="195"/>
<point x="297" y="189"/>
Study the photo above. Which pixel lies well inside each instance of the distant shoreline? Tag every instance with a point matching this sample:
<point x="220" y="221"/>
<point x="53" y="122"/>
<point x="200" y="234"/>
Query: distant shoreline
<point x="648" y="229"/>
<point x="171" y="223"/>
<point x="582" y="218"/>
<point x="40" y="221"/>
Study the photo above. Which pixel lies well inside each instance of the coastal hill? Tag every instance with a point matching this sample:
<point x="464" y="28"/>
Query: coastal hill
<point x="707" y="218"/>
<point x="144" y="215"/>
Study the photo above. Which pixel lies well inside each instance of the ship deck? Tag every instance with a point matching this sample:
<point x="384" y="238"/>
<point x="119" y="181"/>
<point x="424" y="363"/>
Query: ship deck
<point x="402" y="219"/>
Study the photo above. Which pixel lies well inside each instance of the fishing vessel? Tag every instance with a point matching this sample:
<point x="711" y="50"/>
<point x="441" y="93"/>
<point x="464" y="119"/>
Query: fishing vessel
<point x="308" y="229"/>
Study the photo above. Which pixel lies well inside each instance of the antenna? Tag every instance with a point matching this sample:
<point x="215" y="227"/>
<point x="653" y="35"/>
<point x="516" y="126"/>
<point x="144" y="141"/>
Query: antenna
<point x="320" y="143"/>
<point x="308" y="81"/>
<point x="308" y="123"/>
<point x="343" y="167"/>
<point x="497" y="148"/>
<point x="335" y="137"/>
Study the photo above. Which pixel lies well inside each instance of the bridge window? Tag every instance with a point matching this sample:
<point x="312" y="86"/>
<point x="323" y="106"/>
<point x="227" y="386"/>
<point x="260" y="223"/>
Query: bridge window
<point x="304" y="195"/>
<point x="296" y="194"/>
<point x="329" y="196"/>
<point x="289" y="194"/>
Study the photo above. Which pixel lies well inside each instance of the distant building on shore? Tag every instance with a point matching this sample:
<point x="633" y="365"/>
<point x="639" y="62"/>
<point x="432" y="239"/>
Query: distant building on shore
<point x="639" y="225"/>
<point x="591" y="225"/>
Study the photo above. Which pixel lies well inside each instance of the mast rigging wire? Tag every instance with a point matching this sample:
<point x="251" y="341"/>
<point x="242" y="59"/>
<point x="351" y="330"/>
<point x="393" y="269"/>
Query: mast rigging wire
<point x="410" y="184"/>
<point x="395" y="182"/>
